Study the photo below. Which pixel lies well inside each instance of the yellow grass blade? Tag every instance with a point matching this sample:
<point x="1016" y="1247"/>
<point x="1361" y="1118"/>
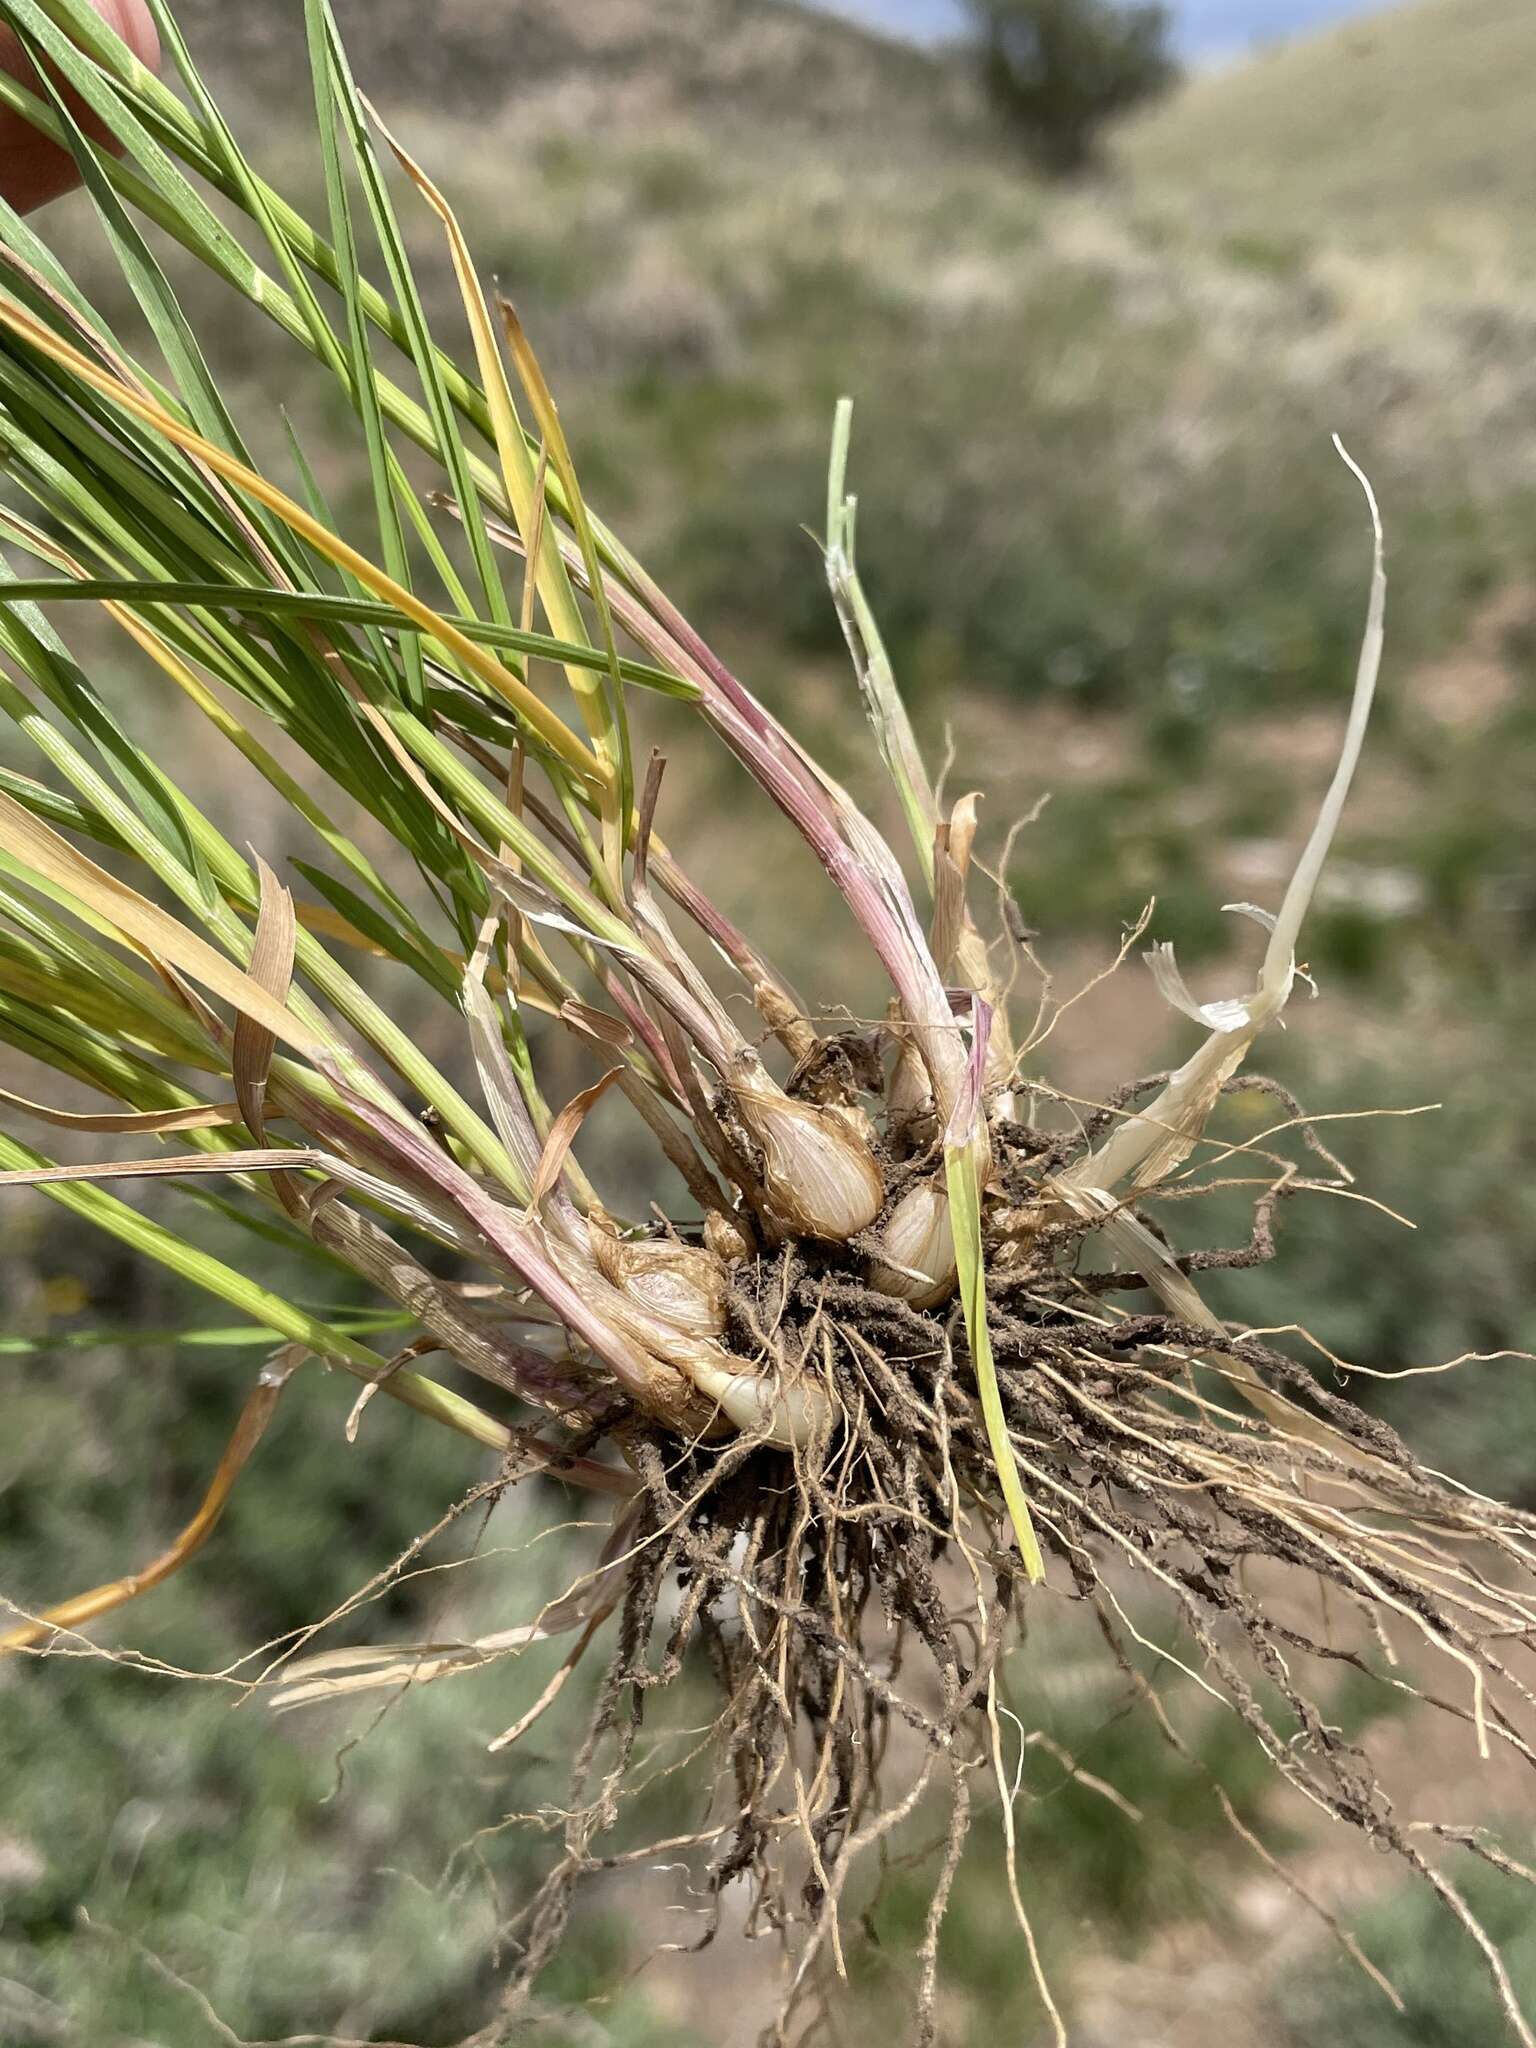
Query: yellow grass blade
<point x="199" y="1116"/>
<point x="144" y="925"/>
<point x="248" y="1432"/>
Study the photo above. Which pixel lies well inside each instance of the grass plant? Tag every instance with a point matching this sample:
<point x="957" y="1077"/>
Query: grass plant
<point x="855" y="1380"/>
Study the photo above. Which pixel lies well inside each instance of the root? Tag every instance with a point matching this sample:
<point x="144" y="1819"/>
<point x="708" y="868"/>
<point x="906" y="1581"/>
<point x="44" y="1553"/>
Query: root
<point x="852" y="1600"/>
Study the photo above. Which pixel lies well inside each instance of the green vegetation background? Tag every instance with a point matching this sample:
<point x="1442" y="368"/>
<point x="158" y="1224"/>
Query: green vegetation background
<point x="1112" y="548"/>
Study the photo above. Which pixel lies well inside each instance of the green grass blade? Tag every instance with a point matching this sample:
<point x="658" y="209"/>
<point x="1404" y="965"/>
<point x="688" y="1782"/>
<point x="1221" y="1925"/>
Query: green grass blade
<point x="877" y="679"/>
<point x="326" y="608"/>
<point x="365" y="397"/>
<point x="426" y="357"/>
<point x="260" y="1304"/>
<point x="962" y="1175"/>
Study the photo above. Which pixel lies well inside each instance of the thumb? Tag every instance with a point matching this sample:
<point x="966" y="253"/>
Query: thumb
<point x="33" y="169"/>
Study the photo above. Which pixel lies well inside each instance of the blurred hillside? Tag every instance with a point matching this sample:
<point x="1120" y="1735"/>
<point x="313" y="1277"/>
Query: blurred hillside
<point x="1118" y="561"/>
<point x="722" y="62"/>
<point x="1402" y="134"/>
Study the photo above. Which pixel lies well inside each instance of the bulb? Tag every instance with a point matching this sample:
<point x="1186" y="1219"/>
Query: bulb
<point x="665" y="1311"/>
<point x="819" y="1173"/>
<point x="725" y="1238"/>
<point x="791" y="1416"/>
<point x="682" y="1283"/>
<point x="909" y="1093"/>
<point x="725" y="1389"/>
<point x="919" y="1247"/>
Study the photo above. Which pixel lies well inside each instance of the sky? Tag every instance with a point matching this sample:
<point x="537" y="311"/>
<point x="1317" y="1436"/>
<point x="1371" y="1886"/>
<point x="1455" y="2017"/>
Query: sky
<point x="1207" y="30"/>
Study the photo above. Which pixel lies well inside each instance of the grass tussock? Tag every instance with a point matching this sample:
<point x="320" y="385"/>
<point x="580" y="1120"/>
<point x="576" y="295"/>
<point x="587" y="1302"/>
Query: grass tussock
<point x="892" y="1347"/>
